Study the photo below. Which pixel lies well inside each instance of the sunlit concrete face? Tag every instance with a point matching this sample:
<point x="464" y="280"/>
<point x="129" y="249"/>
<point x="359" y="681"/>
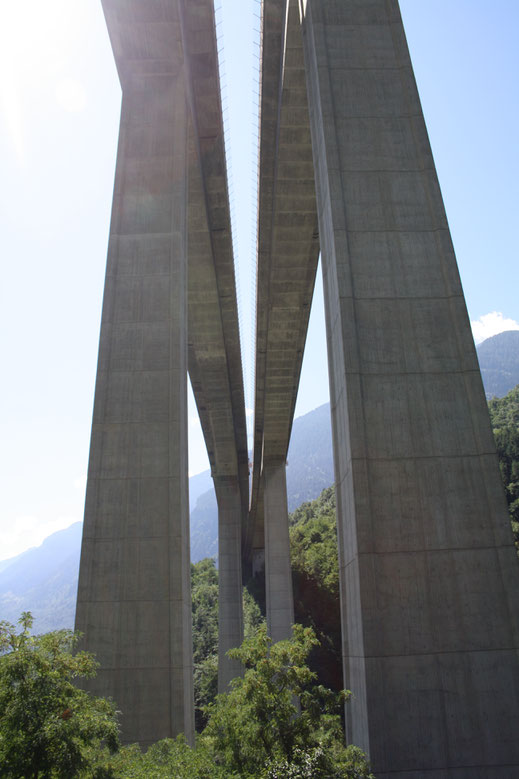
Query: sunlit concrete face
<point x="427" y="568"/>
<point x="134" y="593"/>
<point x="170" y="305"/>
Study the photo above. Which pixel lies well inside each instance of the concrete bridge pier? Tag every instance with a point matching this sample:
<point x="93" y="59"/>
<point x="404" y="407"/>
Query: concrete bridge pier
<point x="230" y="598"/>
<point x="428" y="573"/>
<point x="278" y="574"/>
<point x="134" y="604"/>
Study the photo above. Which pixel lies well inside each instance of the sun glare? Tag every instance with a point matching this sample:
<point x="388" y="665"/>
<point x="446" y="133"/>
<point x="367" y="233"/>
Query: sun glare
<point x="36" y="41"/>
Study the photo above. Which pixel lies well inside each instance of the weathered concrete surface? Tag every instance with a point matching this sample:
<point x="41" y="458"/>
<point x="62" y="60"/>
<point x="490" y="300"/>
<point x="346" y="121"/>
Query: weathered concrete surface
<point x="134" y="601"/>
<point x="428" y="574"/>
<point x="429" y="578"/>
<point x="278" y="574"/>
<point x="230" y="611"/>
<point x="287" y="262"/>
<point x="134" y="593"/>
<point x="214" y="356"/>
<point x="288" y="241"/>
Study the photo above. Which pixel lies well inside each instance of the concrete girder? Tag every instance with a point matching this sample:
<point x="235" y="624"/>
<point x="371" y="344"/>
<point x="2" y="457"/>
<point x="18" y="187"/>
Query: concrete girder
<point x="215" y="365"/>
<point x="288" y="244"/>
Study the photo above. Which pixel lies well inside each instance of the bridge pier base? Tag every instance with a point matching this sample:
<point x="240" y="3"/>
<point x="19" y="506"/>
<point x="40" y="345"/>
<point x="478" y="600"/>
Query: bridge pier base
<point x="278" y="574"/>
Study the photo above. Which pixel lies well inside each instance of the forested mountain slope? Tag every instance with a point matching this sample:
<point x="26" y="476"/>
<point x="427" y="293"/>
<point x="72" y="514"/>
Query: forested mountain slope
<point x="499" y="363"/>
<point x="504" y="415"/>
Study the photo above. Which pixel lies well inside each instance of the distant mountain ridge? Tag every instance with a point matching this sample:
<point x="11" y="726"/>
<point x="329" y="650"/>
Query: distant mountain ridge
<point x="309" y="471"/>
<point x="499" y="363"/>
<point x="310" y="457"/>
<point x="43" y="580"/>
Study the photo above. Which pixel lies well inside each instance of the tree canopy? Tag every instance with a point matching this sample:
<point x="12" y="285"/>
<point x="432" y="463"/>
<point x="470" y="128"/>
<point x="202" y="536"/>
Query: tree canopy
<point x="49" y="728"/>
<point x="315" y="574"/>
<point x="276" y="720"/>
<point x="204" y="605"/>
<point x="504" y="415"/>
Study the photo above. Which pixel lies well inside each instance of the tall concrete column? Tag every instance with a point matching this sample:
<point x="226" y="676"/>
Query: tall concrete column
<point x="428" y="574"/>
<point x="278" y="574"/>
<point x="134" y="604"/>
<point x="230" y="597"/>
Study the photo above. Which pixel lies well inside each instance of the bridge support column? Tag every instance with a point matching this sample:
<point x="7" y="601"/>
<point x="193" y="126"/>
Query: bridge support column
<point x="134" y="604"/>
<point x="278" y="574"/>
<point x="428" y="574"/>
<point x="230" y="596"/>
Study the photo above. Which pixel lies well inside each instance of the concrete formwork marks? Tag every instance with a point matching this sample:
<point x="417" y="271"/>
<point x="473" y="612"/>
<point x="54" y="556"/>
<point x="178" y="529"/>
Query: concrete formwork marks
<point x="430" y="635"/>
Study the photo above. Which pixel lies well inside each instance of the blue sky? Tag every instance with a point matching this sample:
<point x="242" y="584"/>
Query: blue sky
<point x="59" y="106"/>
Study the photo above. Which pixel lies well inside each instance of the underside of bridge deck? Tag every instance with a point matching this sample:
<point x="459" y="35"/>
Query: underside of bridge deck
<point x="288" y="252"/>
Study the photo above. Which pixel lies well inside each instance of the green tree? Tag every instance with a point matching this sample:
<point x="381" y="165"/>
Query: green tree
<point x="252" y="616"/>
<point x="49" y="729"/>
<point x="166" y="758"/>
<point x="504" y="415"/>
<point x="315" y="575"/>
<point x="277" y="721"/>
<point x="204" y="604"/>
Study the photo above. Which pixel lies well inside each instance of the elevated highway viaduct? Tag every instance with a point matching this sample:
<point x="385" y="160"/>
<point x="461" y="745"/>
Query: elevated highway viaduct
<point x="428" y="575"/>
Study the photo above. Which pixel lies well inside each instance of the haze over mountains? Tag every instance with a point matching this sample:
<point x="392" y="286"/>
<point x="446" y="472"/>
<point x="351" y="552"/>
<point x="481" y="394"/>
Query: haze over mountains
<point x="499" y="363"/>
<point x="309" y="471"/>
<point x="43" y="580"/>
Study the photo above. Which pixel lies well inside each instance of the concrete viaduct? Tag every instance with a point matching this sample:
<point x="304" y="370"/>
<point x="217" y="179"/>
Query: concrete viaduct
<point x="428" y="574"/>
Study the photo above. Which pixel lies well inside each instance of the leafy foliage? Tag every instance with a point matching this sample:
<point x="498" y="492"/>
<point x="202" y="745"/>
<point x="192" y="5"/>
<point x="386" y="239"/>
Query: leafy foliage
<point x="313" y="540"/>
<point x="315" y="573"/>
<point x="204" y="604"/>
<point x="504" y="415"/>
<point x="276" y="722"/>
<point x="252" y="616"/>
<point x="49" y="727"/>
<point x="320" y="764"/>
<point x="166" y="758"/>
<point x="277" y="717"/>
